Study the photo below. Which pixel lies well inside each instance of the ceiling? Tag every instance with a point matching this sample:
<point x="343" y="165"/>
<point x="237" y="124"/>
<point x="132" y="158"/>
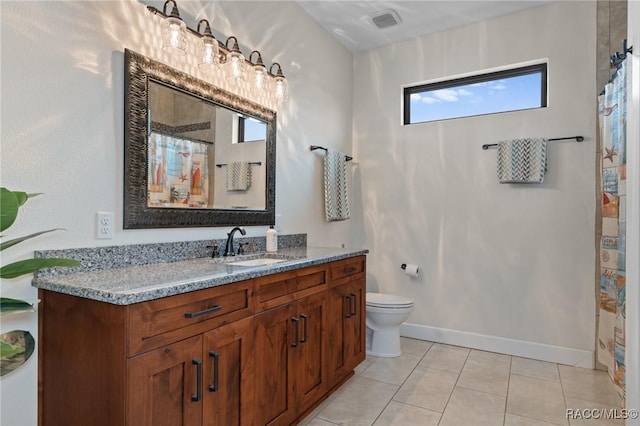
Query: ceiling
<point x="349" y="21"/>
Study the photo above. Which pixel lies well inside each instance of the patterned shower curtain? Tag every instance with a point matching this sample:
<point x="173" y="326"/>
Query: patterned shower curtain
<point x="611" y="330"/>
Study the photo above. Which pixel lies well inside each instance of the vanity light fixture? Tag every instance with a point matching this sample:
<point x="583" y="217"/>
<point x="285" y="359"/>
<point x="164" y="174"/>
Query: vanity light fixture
<point x="174" y="39"/>
<point x="236" y="68"/>
<point x="259" y="72"/>
<point x="281" y="89"/>
<point x="265" y="85"/>
<point x="209" y="49"/>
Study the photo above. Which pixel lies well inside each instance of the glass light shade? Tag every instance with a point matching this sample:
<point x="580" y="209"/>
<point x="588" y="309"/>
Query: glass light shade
<point x="281" y="90"/>
<point x="236" y="67"/>
<point x="259" y="78"/>
<point x="174" y="38"/>
<point x="209" y="53"/>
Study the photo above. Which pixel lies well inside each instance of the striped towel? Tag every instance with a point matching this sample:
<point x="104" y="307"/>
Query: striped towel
<point x="336" y="202"/>
<point x="238" y="176"/>
<point x="522" y="160"/>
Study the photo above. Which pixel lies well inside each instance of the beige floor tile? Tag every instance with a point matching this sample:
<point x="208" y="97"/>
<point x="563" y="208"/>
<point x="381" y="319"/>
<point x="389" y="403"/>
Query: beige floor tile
<point x="534" y="368"/>
<point x="307" y="420"/>
<point x="536" y="399"/>
<point x="445" y="357"/>
<point x="398" y="414"/>
<point x="515" y="420"/>
<point x="427" y="388"/>
<point x="486" y="372"/>
<point x="473" y="408"/>
<point x="364" y="365"/>
<point x="318" y="422"/>
<point x="392" y="370"/>
<point x="359" y="402"/>
<point x="478" y="354"/>
<point x="593" y="414"/>
<point x="414" y="346"/>
<point x="588" y="385"/>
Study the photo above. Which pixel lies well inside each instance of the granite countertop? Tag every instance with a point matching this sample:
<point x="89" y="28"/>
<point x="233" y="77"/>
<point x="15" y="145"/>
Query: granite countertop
<point x="133" y="284"/>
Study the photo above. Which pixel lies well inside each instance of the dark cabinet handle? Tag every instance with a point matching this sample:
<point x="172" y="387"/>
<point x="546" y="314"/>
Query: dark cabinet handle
<point x="205" y="312"/>
<point x="348" y="314"/>
<point x="352" y="304"/>
<point x="304" y="328"/>
<point x="349" y="270"/>
<point x="198" y="396"/>
<point x="296" y="331"/>
<point x="216" y="370"/>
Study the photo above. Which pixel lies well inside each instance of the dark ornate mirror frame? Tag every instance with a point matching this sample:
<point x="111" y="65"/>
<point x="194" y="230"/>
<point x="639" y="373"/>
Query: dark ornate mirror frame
<point x="138" y="71"/>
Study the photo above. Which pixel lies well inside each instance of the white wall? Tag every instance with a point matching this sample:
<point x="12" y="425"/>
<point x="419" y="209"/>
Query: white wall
<point x="504" y="267"/>
<point x="632" y="326"/>
<point x="62" y="126"/>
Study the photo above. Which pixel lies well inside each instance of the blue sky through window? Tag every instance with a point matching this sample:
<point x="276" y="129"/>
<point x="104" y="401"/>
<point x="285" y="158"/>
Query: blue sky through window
<point x="254" y="130"/>
<point x="500" y="95"/>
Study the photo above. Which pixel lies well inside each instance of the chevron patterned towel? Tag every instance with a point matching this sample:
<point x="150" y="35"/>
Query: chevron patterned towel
<point x="522" y="160"/>
<point x="238" y="176"/>
<point x="336" y="203"/>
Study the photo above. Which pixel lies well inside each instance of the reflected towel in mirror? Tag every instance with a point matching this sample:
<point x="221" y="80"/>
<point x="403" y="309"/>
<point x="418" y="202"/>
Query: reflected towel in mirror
<point x="238" y="176"/>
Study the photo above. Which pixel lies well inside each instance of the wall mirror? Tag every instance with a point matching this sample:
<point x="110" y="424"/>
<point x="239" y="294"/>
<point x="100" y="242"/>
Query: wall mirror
<point x="195" y="155"/>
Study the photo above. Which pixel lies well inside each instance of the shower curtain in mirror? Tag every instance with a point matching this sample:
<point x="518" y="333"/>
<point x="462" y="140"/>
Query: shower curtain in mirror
<point x="612" y="123"/>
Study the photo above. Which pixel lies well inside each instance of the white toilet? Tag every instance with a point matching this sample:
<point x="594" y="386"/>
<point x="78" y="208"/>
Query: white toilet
<point x="385" y="313"/>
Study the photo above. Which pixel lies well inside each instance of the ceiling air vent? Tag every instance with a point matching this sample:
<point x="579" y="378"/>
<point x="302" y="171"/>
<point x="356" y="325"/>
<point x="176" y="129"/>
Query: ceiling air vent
<point x="386" y="18"/>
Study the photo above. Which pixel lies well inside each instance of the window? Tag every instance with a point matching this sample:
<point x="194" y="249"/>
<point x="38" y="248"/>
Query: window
<point x="500" y="91"/>
<point x="251" y="130"/>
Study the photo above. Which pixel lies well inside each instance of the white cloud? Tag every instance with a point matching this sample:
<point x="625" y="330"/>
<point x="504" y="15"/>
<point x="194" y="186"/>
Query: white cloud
<point x="446" y="95"/>
<point x="430" y="100"/>
<point x="499" y="86"/>
<point x="415" y="97"/>
<point x="464" y="92"/>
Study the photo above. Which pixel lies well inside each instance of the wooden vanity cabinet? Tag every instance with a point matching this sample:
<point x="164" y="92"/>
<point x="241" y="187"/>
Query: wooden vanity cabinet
<point x="347" y="319"/>
<point x="256" y="352"/>
<point x="290" y="364"/>
<point x="197" y="381"/>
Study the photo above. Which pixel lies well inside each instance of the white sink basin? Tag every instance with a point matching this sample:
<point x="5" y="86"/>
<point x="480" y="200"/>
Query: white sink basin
<point x="257" y="262"/>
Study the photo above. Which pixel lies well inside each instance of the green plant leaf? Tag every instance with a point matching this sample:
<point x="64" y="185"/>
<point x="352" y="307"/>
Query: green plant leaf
<point x="12" y="306"/>
<point x="22" y="197"/>
<point x="15" y="349"/>
<point x="9" y="205"/>
<point x="29" y="266"/>
<point x="7" y="244"/>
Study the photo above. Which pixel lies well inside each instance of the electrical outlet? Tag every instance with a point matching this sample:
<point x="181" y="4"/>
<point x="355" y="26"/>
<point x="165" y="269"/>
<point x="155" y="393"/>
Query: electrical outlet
<point x="279" y="223"/>
<point x="104" y="228"/>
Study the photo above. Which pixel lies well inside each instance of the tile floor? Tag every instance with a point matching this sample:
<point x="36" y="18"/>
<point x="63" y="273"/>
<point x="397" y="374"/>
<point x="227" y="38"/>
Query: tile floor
<point x="436" y="384"/>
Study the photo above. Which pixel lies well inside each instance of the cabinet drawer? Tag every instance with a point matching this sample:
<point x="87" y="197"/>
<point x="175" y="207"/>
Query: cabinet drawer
<point x="162" y="321"/>
<point x="347" y="267"/>
<point x="281" y="288"/>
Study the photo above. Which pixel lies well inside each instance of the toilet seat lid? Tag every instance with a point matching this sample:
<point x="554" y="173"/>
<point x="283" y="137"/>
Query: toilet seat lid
<point x="387" y="300"/>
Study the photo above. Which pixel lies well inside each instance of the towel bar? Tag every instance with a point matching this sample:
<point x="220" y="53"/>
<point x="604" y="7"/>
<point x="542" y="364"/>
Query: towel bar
<point x="253" y="163"/>
<point x="314" y="147"/>
<point x="577" y="138"/>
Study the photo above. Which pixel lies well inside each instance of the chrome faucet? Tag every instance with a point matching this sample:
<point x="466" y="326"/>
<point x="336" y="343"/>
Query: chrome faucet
<point x="228" y="250"/>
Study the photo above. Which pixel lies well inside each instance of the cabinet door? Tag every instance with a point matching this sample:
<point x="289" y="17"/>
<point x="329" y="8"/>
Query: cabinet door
<point x="163" y="385"/>
<point x="345" y="329"/>
<point x="311" y="352"/>
<point x="354" y="334"/>
<point x="274" y="358"/>
<point x="228" y="375"/>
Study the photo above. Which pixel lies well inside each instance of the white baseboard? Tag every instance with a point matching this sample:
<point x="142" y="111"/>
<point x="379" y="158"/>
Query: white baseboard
<point x="521" y="348"/>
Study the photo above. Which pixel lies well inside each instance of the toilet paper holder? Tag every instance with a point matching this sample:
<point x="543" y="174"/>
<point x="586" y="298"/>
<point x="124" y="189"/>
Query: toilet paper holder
<point x="410" y="269"/>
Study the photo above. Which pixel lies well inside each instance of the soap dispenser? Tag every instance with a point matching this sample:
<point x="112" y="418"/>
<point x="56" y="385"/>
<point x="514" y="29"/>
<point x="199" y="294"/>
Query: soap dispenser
<point x="272" y="239"/>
